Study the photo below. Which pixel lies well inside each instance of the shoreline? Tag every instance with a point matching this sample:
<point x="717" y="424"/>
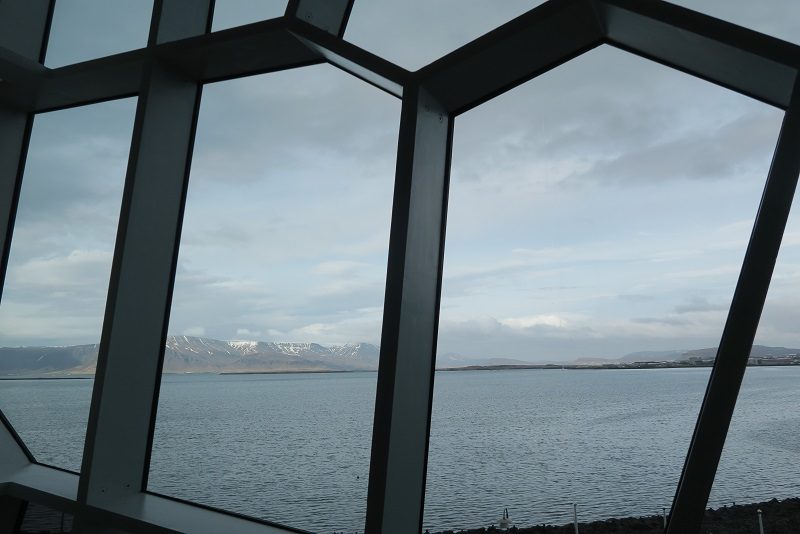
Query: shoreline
<point x="778" y="516"/>
<point x="602" y="366"/>
<point x="501" y="367"/>
<point x="504" y="367"/>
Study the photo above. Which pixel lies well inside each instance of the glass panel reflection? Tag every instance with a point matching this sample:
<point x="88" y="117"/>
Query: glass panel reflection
<point x="597" y="222"/>
<point x="88" y="29"/>
<point x="51" y="315"/>
<point x="266" y="408"/>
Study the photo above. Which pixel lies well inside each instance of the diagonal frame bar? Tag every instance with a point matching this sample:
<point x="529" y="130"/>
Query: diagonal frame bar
<point x="411" y="312"/>
<point x="740" y="329"/>
<point x="739" y="59"/>
<point x="125" y="396"/>
<point x="374" y="70"/>
<point x="528" y="46"/>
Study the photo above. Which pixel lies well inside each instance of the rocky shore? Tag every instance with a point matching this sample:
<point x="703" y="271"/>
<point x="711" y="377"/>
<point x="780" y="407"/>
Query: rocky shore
<point x="779" y="517"/>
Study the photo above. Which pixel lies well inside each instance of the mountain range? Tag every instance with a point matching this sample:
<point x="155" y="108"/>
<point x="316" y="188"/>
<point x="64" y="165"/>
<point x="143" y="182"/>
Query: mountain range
<point x="188" y="354"/>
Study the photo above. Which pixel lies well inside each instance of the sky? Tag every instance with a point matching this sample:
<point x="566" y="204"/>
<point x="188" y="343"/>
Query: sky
<point x="600" y="209"/>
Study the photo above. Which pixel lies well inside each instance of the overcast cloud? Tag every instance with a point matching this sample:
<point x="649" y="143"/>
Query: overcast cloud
<point x="601" y="209"/>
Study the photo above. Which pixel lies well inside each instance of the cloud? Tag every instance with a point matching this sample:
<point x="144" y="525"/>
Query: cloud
<point x="76" y="167"/>
<point x="338" y="268"/>
<point x="59" y="299"/>
<point x="611" y="119"/>
<point x="79" y="270"/>
<point x="30" y="322"/>
<point x="669" y="321"/>
<point x="551" y="320"/>
<point x="305" y="109"/>
<point x="363" y="325"/>
<point x="247" y="333"/>
<point x="722" y="153"/>
<point x="696" y="304"/>
<point x="194" y="331"/>
<point x="601" y="208"/>
<point x="634" y="297"/>
<point x="73" y="20"/>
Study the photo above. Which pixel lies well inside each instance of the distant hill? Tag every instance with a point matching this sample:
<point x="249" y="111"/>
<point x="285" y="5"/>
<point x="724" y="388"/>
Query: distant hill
<point x="28" y="361"/>
<point x="450" y="359"/>
<point x="187" y="354"/>
<point x="655" y="356"/>
<point x="759" y="351"/>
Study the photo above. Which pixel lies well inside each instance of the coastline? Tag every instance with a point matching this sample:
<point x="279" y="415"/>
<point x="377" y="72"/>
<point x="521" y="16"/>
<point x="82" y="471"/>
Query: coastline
<point x="502" y="367"/>
<point x="602" y="366"/>
<point x="779" y="517"/>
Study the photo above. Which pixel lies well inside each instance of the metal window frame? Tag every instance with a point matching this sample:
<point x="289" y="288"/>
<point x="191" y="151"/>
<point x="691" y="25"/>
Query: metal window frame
<point x="167" y="77"/>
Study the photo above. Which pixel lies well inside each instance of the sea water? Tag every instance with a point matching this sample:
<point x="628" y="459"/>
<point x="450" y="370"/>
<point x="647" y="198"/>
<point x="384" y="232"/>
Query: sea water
<point x="294" y="449"/>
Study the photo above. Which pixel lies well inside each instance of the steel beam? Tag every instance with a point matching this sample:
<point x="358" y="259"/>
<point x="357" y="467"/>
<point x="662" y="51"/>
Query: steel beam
<point x="739" y="59"/>
<point x="528" y="46"/>
<point x="243" y="51"/>
<point x="740" y="329"/>
<point x="350" y="58"/>
<point x="20" y="80"/>
<point x="411" y="309"/>
<point x="122" y="414"/>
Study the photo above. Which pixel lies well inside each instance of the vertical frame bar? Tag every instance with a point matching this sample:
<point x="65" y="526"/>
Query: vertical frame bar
<point x="740" y="329"/>
<point x="125" y="397"/>
<point x="410" y="321"/>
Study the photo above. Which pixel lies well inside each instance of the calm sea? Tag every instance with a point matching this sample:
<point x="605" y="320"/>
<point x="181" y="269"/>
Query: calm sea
<point x="295" y="448"/>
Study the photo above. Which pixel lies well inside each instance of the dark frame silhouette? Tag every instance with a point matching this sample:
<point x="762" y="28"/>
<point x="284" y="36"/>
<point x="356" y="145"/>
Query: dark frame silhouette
<point x="167" y="76"/>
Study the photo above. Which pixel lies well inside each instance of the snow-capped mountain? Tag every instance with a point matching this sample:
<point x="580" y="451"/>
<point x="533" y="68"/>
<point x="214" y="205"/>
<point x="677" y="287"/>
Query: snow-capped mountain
<point x="199" y="354"/>
<point x="185" y="354"/>
<point x="364" y="352"/>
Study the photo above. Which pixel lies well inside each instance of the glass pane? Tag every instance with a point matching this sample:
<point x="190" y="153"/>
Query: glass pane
<point x="232" y="13"/>
<point x="779" y="18"/>
<point x="54" y="297"/>
<point x="759" y="461"/>
<point x="281" y="273"/>
<point x="88" y="29"/>
<point x="597" y="221"/>
<point x="413" y="33"/>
